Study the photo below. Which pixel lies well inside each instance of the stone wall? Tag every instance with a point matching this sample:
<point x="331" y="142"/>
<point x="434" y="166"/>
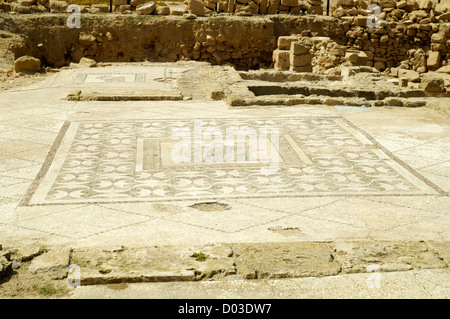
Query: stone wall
<point x="196" y="7"/>
<point x="253" y="7"/>
<point x="409" y="34"/>
<point x="304" y="53"/>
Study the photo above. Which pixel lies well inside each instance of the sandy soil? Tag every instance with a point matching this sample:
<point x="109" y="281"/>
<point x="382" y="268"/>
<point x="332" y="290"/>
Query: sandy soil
<point x="22" y="284"/>
<point x="10" y="80"/>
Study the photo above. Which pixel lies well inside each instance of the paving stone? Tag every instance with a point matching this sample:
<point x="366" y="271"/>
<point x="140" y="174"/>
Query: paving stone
<point x="284" y="260"/>
<point x="151" y="264"/>
<point x="53" y="262"/>
<point x="360" y="256"/>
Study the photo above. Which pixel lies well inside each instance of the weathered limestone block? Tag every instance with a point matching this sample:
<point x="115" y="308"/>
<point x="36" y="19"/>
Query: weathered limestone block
<point x="438" y="37"/>
<point x="432" y="84"/>
<point x="281" y="59"/>
<point x="120" y="2"/>
<point x="27" y="64"/>
<point x="86" y="39"/>
<point x="88" y="63"/>
<point x="231" y="6"/>
<point x="210" y="5"/>
<point x="315" y="2"/>
<point x="146" y="8"/>
<point x="273" y="6"/>
<point x="426" y="4"/>
<point x="289" y="3"/>
<point x="306" y="68"/>
<point x="315" y="10"/>
<point x="27" y="3"/>
<point x="196" y="7"/>
<point x="162" y="10"/>
<point x="299" y="48"/>
<point x="387" y="3"/>
<point x="103" y="8"/>
<point x="136" y="3"/>
<point x="434" y="60"/>
<point x="442" y="7"/>
<point x="300" y="60"/>
<point x="222" y="6"/>
<point x="284" y="42"/>
<point x="58" y="6"/>
<point x="54" y="263"/>
<point x="123" y="8"/>
<point x="379" y="65"/>
<point x="263" y="6"/>
<point x="411" y="75"/>
<point x="444" y="17"/>
<point x="346" y="3"/>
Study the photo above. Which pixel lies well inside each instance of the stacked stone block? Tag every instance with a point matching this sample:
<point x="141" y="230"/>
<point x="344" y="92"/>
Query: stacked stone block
<point x="300" y="58"/>
<point x="414" y="45"/>
<point x="303" y="53"/>
<point x="315" y="7"/>
<point x="281" y="56"/>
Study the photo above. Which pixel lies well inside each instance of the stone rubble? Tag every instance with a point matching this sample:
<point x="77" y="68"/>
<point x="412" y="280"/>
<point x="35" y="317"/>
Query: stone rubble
<point x="5" y="262"/>
<point x="197" y="7"/>
<point x="411" y="40"/>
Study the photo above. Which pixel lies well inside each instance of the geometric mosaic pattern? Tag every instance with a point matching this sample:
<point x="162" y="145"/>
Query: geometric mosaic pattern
<point x="97" y="161"/>
<point x="110" y="78"/>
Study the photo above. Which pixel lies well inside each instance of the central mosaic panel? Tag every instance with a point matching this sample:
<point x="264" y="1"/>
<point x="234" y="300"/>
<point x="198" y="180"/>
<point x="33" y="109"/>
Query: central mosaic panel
<point x="156" y="160"/>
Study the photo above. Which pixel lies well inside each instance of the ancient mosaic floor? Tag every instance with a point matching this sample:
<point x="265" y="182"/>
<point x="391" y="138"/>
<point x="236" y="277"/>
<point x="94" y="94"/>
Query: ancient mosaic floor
<point x="103" y="172"/>
<point x="131" y="161"/>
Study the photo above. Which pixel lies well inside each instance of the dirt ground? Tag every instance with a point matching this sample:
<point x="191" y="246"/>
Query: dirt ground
<point x="22" y="284"/>
<point x="10" y="80"/>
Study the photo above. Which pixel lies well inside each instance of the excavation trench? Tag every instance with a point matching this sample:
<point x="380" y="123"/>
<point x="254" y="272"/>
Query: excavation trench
<point x="246" y="43"/>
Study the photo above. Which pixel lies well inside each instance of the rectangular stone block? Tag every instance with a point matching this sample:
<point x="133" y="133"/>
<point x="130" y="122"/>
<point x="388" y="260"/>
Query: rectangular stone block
<point x="300" y="60"/>
<point x="284" y="42"/>
<point x="231" y="6"/>
<point x="135" y="3"/>
<point x="306" y="68"/>
<point x="434" y="60"/>
<point x="123" y="8"/>
<point x="281" y="59"/>
<point x="210" y="5"/>
<point x="222" y="6"/>
<point x="299" y="48"/>
<point x="289" y="3"/>
<point x="104" y="8"/>
<point x="263" y="6"/>
<point x="273" y="6"/>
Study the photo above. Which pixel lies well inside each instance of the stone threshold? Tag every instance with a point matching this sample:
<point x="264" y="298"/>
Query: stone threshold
<point x="239" y="261"/>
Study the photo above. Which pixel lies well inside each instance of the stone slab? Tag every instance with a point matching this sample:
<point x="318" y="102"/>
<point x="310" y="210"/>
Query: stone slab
<point x="152" y="264"/>
<point x="284" y="260"/>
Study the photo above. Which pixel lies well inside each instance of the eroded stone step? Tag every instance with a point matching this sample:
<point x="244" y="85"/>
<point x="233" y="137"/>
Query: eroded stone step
<point x="298" y="99"/>
<point x="236" y="261"/>
<point x="262" y="90"/>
